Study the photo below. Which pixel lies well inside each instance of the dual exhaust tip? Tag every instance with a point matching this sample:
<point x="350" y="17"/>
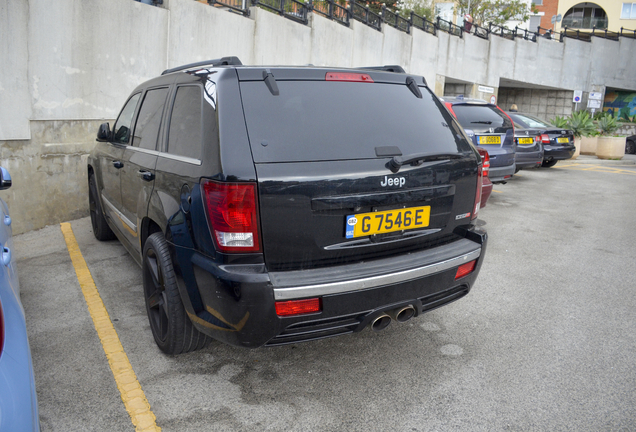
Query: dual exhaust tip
<point x="401" y="314"/>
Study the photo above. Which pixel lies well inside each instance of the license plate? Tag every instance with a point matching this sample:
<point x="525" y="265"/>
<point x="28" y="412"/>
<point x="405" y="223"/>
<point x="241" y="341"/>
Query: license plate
<point x="526" y="140"/>
<point x="490" y="140"/>
<point x="366" y="224"/>
<point x="563" y="140"/>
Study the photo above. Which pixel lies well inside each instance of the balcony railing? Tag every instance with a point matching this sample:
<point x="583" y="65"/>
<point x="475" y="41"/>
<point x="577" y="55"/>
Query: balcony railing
<point x="584" y="23"/>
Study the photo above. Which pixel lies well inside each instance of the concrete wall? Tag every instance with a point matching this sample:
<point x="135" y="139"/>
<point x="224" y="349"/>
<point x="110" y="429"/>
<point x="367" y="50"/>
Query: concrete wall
<point x="545" y="104"/>
<point x="71" y="65"/>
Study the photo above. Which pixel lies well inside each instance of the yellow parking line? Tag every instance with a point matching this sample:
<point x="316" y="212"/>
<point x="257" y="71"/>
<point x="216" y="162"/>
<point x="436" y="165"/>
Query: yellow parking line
<point x="497" y="191"/>
<point x="129" y="388"/>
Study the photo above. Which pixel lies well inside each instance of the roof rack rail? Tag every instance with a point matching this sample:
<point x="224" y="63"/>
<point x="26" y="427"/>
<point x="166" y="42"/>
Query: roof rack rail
<point x="225" y="61"/>
<point x="387" y="68"/>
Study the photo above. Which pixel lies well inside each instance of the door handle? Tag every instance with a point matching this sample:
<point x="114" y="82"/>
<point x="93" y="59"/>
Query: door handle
<point x="6" y="256"/>
<point x="146" y="175"/>
<point x="118" y="164"/>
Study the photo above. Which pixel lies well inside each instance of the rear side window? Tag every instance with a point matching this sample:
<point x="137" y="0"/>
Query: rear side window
<point x="121" y="131"/>
<point x="323" y="120"/>
<point x="482" y="118"/>
<point x="529" y="122"/>
<point x="149" y="119"/>
<point x="185" y="134"/>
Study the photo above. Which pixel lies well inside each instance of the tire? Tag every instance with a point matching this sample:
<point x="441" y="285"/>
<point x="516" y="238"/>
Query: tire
<point x="171" y="327"/>
<point x="101" y="230"/>
<point x="549" y="164"/>
<point x="630" y="147"/>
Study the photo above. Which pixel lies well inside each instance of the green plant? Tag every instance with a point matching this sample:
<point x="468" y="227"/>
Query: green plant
<point x="581" y="124"/>
<point x="607" y="125"/>
<point x="560" y="122"/>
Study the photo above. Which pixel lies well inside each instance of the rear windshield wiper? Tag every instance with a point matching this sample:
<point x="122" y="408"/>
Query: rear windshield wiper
<point x="482" y="122"/>
<point x="417" y="158"/>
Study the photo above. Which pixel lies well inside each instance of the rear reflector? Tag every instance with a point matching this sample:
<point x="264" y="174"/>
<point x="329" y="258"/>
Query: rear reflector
<point x="298" y="307"/>
<point x="480" y="180"/>
<point x="1" y="330"/>
<point x="344" y="76"/>
<point x="465" y="269"/>
<point x="232" y="215"/>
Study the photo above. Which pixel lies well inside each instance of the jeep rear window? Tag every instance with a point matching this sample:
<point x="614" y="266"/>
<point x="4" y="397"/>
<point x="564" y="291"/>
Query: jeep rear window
<point x="482" y="118"/>
<point x="320" y="120"/>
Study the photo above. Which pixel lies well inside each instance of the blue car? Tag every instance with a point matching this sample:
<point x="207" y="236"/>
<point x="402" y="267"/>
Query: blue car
<point x="489" y="128"/>
<point x="18" y="401"/>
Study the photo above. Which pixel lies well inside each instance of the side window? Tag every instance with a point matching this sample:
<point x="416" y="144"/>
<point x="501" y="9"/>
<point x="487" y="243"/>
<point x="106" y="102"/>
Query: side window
<point x="185" y="134"/>
<point x="149" y="119"/>
<point x="121" y="131"/>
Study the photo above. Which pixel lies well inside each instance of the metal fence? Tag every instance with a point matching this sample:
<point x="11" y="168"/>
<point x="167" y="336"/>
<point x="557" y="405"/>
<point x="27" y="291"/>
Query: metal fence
<point x="423" y="24"/>
<point x="343" y="11"/>
<point x="363" y="14"/>
<point x="291" y="9"/>
<point x="331" y="9"/>
<point x="240" y="6"/>
<point x="449" y="27"/>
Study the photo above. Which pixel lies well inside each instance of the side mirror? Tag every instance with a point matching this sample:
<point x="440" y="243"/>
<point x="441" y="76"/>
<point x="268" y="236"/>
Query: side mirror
<point x="103" y="134"/>
<point x="5" y="179"/>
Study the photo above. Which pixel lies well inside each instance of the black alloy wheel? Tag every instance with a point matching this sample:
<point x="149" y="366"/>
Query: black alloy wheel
<point x="630" y="147"/>
<point x="101" y="230"/>
<point x="171" y="327"/>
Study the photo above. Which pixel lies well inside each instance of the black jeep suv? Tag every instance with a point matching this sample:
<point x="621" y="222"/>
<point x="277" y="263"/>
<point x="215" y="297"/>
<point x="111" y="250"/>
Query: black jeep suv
<point x="273" y="205"/>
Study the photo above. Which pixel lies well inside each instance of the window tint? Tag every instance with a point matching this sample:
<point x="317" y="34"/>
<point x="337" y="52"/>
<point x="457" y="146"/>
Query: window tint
<point x="325" y="120"/>
<point x="185" y="123"/>
<point x="482" y="118"/>
<point x="149" y="119"/>
<point x="121" y="131"/>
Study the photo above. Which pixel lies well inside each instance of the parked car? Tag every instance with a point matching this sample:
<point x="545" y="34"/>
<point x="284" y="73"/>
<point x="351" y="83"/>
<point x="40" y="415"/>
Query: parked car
<point x="489" y="127"/>
<point x="486" y="185"/>
<point x="630" y="145"/>
<point x="529" y="148"/>
<point x="274" y="205"/>
<point x="18" y="400"/>
<point x="558" y="143"/>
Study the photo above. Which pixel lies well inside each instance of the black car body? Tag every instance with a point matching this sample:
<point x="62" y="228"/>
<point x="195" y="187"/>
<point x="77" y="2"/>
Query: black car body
<point x="558" y="143"/>
<point x="249" y="195"/>
<point x="529" y="153"/>
<point x="490" y="128"/>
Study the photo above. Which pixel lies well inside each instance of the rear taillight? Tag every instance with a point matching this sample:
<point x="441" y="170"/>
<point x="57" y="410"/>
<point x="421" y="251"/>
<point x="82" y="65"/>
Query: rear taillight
<point x="465" y="269"/>
<point x="232" y="213"/>
<point x="1" y="330"/>
<point x="544" y="138"/>
<point x="346" y="76"/>
<point x="298" y="307"/>
<point x="450" y="108"/>
<point x="480" y="179"/>
<point x="485" y="160"/>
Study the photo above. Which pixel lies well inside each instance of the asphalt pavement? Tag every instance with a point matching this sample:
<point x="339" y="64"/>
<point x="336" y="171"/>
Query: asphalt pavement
<point x="545" y="341"/>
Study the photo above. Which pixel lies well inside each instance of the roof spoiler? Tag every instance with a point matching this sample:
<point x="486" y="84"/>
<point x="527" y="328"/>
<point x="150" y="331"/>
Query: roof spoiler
<point x="224" y="61"/>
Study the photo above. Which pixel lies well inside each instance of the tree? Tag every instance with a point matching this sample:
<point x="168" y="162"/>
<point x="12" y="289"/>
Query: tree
<point x="495" y="11"/>
<point x="423" y="8"/>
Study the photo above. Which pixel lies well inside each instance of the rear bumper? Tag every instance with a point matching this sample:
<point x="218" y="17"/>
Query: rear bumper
<point x="499" y="174"/>
<point x="236" y="303"/>
<point x="558" y="152"/>
<point x="526" y="160"/>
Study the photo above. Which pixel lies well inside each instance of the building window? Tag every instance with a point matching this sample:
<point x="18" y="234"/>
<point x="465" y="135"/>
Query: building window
<point x="628" y="11"/>
<point x="583" y="16"/>
<point x="537" y="2"/>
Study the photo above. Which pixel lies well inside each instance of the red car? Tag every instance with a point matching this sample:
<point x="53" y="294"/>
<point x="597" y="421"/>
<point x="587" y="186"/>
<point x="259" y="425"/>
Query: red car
<point x="486" y="184"/>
